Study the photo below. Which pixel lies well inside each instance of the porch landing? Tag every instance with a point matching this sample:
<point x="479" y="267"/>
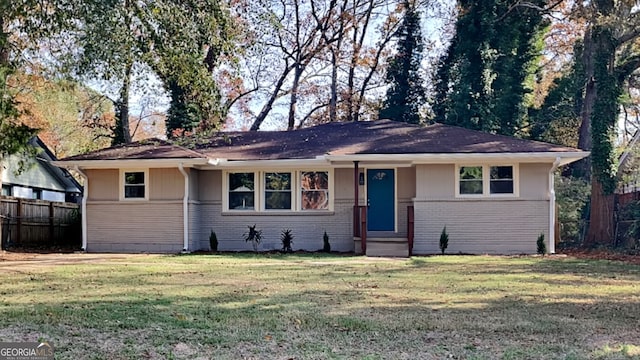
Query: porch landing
<point x="383" y="246"/>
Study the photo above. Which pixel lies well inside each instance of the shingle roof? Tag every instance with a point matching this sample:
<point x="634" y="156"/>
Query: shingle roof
<point x="337" y="138"/>
<point x="376" y="137"/>
<point x="145" y="149"/>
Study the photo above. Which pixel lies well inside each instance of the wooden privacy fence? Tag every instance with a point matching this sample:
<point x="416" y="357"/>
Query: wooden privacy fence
<point x="30" y="223"/>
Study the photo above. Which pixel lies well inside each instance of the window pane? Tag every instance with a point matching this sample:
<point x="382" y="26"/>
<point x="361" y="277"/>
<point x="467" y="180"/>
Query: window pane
<point x="241" y="182"/>
<point x="501" y="172"/>
<point x="134" y="191"/>
<point x="314" y="180"/>
<point x="278" y="200"/>
<point x="501" y="180"/>
<point x="501" y="186"/>
<point x="241" y="200"/>
<point x="471" y="187"/>
<point x="471" y="180"/>
<point x="134" y="178"/>
<point x="471" y="173"/>
<point x="277" y="181"/>
<point x="315" y="200"/>
<point x="241" y="191"/>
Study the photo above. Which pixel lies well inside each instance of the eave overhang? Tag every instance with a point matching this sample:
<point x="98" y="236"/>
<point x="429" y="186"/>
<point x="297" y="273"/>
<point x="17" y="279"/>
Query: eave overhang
<point x="414" y="159"/>
<point x="130" y="163"/>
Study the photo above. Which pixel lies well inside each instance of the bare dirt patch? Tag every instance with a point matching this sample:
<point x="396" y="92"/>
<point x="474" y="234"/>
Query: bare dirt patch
<point x="21" y="261"/>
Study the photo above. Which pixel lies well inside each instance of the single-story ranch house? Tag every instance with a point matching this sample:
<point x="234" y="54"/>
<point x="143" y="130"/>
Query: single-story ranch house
<point x="383" y="188"/>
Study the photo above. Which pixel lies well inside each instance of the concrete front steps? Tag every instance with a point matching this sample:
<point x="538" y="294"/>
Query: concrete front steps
<point x="384" y="247"/>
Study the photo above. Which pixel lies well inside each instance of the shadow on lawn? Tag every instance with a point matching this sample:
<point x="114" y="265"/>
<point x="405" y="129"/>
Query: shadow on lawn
<point x="350" y="320"/>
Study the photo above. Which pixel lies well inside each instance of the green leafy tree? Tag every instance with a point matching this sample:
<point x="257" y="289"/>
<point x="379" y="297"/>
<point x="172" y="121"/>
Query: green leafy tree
<point x="23" y="23"/>
<point x="122" y="41"/>
<point x="612" y="57"/>
<point x="406" y="93"/>
<point x="485" y="76"/>
<point x="190" y="39"/>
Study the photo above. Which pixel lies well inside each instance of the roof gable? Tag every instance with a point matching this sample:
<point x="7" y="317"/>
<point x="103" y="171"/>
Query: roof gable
<point x="40" y="173"/>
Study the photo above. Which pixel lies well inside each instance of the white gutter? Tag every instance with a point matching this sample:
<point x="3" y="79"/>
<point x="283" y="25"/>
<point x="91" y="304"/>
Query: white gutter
<point x="268" y="164"/>
<point x="85" y="196"/>
<point x="129" y="163"/>
<point x="552" y="207"/>
<point x="185" y="210"/>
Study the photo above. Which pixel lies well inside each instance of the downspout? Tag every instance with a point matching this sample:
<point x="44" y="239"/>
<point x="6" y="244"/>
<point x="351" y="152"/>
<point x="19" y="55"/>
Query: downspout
<point x="552" y="207"/>
<point x="185" y="210"/>
<point x="85" y="196"/>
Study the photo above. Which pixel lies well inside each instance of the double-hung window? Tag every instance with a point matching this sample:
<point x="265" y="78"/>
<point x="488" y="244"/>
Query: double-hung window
<point x="277" y="191"/>
<point x="314" y="190"/>
<point x="470" y="180"/>
<point x="134" y="185"/>
<point x="501" y="180"/>
<point x="486" y="180"/>
<point x="242" y="191"/>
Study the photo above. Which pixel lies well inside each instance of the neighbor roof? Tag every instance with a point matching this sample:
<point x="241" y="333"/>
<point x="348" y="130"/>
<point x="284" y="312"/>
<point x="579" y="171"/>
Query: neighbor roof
<point x="337" y="138"/>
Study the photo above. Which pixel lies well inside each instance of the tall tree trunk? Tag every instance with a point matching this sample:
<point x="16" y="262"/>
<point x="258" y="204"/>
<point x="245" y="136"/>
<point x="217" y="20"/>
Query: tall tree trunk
<point x="601" y="225"/>
<point x="272" y="99"/>
<point x="333" y="101"/>
<point x="4" y="49"/>
<point x="606" y="90"/>
<point x="294" y="96"/>
<point x="121" y="131"/>
<point x="352" y="74"/>
<point x="582" y="168"/>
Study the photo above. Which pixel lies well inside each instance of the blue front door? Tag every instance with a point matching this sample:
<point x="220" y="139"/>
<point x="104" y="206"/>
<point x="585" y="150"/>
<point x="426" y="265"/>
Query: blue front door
<point x="381" y="200"/>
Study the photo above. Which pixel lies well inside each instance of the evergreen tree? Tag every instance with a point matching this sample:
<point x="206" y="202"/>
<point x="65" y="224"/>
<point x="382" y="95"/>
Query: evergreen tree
<point x="482" y="80"/>
<point x="406" y="93"/>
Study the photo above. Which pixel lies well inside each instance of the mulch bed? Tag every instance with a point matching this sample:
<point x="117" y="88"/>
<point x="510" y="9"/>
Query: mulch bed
<point x="603" y="254"/>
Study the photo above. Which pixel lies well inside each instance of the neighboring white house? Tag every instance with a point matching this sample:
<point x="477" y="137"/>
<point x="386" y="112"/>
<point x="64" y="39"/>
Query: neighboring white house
<point x="383" y="188"/>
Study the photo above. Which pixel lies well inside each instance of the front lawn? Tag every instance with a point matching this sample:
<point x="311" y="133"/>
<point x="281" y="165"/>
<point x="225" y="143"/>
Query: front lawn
<point x="308" y="306"/>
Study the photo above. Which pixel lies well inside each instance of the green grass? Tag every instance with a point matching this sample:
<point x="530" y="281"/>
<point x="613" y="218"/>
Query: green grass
<point x="325" y="307"/>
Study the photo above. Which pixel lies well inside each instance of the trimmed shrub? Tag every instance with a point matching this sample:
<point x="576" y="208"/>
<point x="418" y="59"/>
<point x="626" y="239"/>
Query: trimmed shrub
<point x="213" y="241"/>
<point x="326" y="246"/>
<point x="444" y="240"/>
<point x="542" y="247"/>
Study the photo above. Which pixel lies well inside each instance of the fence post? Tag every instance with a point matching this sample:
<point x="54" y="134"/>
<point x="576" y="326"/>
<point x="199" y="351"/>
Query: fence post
<point x="19" y="223"/>
<point x="51" y="223"/>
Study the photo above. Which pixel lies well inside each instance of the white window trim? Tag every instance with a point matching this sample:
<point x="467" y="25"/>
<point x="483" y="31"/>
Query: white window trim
<point x="146" y="184"/>
<point x="259" y="191"/>
<point x="486" y="181"/>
